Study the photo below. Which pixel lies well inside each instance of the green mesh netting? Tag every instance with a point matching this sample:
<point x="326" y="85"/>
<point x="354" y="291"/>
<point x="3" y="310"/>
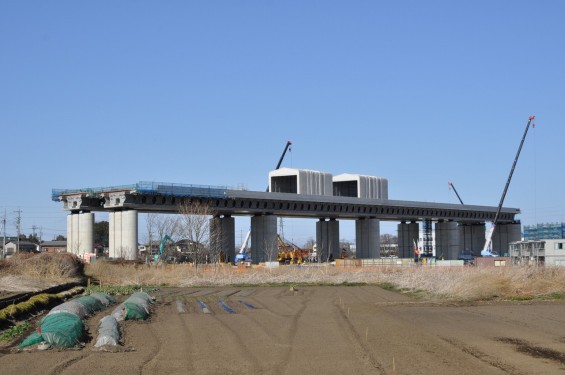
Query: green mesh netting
<point x="90" y="303"/>
<point x="106" y="299"/>
<point x="144" y="296"/>
<point x="61" y="330"/>
<point x="135" y="311"/>
<point x="34" y="338"/>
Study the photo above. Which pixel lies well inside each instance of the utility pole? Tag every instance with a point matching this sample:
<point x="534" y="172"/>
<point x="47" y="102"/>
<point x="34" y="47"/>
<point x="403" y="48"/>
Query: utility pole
<point x="40" y="237"/>
<point x="4" y="230"/>
<point x="18" y="222"/>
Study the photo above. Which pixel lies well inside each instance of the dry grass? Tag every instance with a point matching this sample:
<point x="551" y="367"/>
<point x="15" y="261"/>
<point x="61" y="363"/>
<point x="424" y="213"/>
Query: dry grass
<point x="45" y="267"/>
<point x="468" y="283"/>
<point x="472" y="283"/>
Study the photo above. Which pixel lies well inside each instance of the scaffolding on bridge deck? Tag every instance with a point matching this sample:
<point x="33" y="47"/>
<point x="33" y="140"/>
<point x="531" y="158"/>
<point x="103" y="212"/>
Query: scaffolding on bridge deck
<point x="145" y="187"/>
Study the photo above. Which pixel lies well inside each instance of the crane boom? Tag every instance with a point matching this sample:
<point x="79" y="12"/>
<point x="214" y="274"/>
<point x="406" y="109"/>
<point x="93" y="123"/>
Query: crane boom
<point x="488" y="241"/>
<point x="288" y="144"/>
<point x="456" y="193"/>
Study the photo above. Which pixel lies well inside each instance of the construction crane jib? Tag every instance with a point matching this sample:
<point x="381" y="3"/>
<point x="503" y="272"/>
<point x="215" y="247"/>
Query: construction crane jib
<point x="486" y="252"/>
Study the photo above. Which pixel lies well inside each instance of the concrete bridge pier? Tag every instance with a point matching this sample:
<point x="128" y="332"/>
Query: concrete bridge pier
<point x="408" y="233"/>
<point x="367" y="238"/>
<point x="327" y="239"/>
<point x="472" y="238"/>
<point x="80" y="233"/>
<point x="263" y="238"/>
<point x="447" y="240"/>
<point x="222" y="236"/>
<point x="123" y="234"/>
<point x="503" y="235"/>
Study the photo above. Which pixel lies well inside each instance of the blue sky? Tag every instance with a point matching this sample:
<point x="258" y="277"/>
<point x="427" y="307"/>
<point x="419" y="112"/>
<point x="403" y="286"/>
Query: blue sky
<point x="208" y="92"/>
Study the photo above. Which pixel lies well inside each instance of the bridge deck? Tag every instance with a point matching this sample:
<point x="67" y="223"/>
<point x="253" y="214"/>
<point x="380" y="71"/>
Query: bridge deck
<point x="164" y="198"/>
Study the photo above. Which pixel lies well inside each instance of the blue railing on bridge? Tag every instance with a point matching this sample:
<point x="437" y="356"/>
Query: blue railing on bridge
<point x="181" y="190"/>
<point x="143" y="187"/>
<point x="89" y="192"/>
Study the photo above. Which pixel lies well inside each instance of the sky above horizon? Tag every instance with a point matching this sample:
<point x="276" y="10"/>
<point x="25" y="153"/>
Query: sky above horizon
<point x="208" y="92"/>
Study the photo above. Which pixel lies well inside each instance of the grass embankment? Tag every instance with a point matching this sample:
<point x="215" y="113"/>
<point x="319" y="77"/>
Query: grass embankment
<point x="47" y="268"/>
<point x="457" y="283"/>
<point x="33" y="273"/>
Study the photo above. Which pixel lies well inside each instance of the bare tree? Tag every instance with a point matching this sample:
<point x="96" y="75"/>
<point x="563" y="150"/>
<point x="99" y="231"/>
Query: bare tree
<point x="151" y="226"/>
<point x="195" y="228"/>
<point x="389" y="245"/>
<point x="167" y="225"/>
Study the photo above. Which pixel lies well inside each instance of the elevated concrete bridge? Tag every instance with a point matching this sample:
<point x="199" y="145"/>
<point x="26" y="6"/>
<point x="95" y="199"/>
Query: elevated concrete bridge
<point x="458" y="227"/>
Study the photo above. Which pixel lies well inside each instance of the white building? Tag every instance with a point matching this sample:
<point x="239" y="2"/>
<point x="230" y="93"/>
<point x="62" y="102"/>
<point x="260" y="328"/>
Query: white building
<point x="547" y="252"/>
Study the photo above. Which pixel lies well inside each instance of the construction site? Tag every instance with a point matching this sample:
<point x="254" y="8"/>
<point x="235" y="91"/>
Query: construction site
<point x="270" y="306"/>
<point x="427" y="232"/>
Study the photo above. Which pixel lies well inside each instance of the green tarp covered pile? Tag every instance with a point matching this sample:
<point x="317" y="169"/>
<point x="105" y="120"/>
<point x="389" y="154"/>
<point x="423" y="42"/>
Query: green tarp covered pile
<point x="136" y="307"/>
<point x="62" y="327"/>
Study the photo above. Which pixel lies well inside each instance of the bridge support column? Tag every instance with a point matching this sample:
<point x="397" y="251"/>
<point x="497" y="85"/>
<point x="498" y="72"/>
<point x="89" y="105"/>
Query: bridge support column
<point x="327" y="239"/>
<point x="123" y="234"/>
<point x="503" y="235"/>
<point x="447" y="240"/>
<point x="367" y="238"/>
<point x="222" y="237"/>
<point x="408" y="233"/>
<point x="80" y="233"/>
<point x="472" y="238"/>
<point x="263" y="238"/>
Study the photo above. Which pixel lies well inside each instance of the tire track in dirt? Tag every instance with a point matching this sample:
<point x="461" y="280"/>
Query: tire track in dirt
<point x="170" y="333"/>
<point x="63" y="367"/>
<point x="291" y="335"/>
<point x="240" y="344"/>
<point x="483" y="357"/>
<point x="535" y="351"/>
<point x="151" y="353"/>
<point x="348" y="332"/>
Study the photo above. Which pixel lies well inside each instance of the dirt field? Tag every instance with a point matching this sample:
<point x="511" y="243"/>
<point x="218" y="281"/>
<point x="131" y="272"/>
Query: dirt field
<point x="318" y="330"/>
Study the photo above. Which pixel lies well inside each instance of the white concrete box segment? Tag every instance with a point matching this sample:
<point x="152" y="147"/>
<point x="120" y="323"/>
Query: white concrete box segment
<point x="370" y="187"/>
<point x="300" y="181"/>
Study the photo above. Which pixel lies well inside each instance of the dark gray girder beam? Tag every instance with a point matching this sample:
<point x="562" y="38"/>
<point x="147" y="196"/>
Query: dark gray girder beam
<point x="241" y="203"/>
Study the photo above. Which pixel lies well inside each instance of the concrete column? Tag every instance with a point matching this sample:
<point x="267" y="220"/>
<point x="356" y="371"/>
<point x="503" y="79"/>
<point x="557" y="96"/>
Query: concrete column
<point x="222" y="236"/>
<point x="472" y="238"/>
<point x="503" y="235"/>
<point x="70" y="234"/>
<point x="263" y="238"/>
<point x="408" y="233"/>
<point x="129" y="234"/>
<point x="367" y="238"/>
<point x="327" y="239"/>
<point x="111" y="234"/>
<point x="80" y="233"/>
<point x="86" y="233"/>
<point x="447" y="240"/>
<point x="123" y="234"/>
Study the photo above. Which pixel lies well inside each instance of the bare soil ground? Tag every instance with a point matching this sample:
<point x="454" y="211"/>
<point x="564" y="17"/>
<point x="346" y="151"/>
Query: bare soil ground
<point x="317" y="330"/>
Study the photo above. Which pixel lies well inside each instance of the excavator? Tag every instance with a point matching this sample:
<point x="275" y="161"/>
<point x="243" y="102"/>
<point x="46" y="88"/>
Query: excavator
<point x="161" y="256"/>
